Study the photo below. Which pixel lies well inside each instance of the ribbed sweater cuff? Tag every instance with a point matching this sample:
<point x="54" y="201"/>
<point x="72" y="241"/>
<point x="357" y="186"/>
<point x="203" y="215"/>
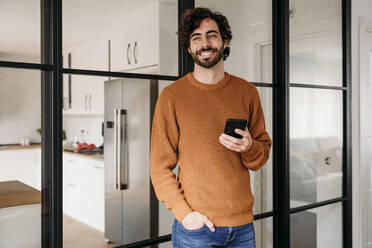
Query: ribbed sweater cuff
<point x="181" y="210"/>
<point x="254" y="150"/>
<point x="250" y="156"/>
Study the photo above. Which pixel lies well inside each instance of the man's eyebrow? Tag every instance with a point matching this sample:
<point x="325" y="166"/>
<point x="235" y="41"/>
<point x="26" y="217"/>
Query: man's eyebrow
<point x="212" y="31"/>
<point x="194" y="34"/>
<point x="208" y="32"/>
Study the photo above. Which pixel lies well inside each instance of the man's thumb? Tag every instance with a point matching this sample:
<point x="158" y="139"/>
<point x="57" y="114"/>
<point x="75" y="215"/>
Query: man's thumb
<point x="210" y="225"/>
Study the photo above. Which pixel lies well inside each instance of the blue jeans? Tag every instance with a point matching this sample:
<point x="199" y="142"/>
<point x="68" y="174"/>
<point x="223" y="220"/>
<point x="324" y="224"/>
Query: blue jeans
<point x="239" y="237"/>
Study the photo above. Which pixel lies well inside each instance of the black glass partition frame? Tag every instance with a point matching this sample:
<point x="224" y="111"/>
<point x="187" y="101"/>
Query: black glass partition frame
<point x="52" y="70"/>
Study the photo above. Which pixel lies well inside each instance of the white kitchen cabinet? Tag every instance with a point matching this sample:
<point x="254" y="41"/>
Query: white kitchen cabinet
<point x="38" y="169"/>
<point x="19" y="165"/>
<point x="137" y="46"/>
<point x="136" y="42"/>
<point x="145" y="46"/>
<point x="92" y="195"/>
<point x="72" y="170"/>
<point x="83" y="186"/>
<point x="87" y="91"/>
<point x="121" y="53"/>
<point x="83" y="182"/>
<point x="140" y="51"/>
<point x="95" y="96"/>
<point x="87" y="95"/>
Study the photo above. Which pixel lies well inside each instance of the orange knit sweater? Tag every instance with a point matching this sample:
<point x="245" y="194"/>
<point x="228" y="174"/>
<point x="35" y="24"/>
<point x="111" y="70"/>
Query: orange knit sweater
<point x="213" y="180"/>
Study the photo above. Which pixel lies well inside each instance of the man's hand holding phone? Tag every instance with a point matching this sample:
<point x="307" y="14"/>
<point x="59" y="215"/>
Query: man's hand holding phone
<point x="242" y="144"/>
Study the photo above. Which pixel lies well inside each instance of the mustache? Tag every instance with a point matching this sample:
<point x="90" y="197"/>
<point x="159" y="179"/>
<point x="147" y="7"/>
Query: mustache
<point x="206" y="50"/>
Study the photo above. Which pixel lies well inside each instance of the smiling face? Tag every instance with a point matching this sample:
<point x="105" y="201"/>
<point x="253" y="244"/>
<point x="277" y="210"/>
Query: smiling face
<point x="206" y="45"/>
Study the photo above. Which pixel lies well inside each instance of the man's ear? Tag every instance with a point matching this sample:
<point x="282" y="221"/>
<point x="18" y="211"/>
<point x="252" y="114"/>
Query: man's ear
<point x="225" y="43"/>
<point x="188" y="49"/>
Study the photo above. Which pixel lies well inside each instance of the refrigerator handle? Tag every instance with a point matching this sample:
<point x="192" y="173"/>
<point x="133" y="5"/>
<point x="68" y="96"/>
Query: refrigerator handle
<point x="120" y="149"/>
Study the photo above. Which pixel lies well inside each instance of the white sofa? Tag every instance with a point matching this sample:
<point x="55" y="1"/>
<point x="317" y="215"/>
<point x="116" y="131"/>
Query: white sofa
<point x="315" y="169"/>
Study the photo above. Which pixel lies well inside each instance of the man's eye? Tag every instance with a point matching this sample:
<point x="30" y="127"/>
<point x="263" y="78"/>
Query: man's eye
<point x="196" y="38"/>
<point x="213" y="36"/>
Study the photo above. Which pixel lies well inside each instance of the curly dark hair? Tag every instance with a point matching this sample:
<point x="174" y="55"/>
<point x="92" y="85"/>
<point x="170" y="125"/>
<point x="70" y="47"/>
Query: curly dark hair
<point x="191" y="20"/>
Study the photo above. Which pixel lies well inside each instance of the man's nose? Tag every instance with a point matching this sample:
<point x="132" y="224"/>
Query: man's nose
<point x="205" y="42"/>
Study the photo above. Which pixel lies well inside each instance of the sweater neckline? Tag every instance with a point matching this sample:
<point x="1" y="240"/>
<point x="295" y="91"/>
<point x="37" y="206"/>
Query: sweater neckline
<point x="204" y="86"/>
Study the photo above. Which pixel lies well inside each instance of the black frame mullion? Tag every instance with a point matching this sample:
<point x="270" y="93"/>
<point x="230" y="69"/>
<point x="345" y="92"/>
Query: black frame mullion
<point x="118" y="74"/>
<point x="346" y="160"/>
<point x="317" y="205"/>
<point x="23" y="65"/>
<point x="140" y="76"/>
<point x="313" y="86"/>
<point x="280" y="36"/>
<point x="185" y="63"/>
<point x="51" y="124"/>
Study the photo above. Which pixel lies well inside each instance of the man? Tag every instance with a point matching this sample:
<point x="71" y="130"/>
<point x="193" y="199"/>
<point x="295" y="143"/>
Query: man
<point x="211" y="198"/>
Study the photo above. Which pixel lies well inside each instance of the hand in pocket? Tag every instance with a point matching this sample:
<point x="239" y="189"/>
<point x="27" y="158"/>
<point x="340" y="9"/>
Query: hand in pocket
<point x="195" y="220"/>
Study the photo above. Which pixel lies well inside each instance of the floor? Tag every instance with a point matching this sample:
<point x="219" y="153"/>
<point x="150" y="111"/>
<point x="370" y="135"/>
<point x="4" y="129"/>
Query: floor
<point x="77" y="234"/>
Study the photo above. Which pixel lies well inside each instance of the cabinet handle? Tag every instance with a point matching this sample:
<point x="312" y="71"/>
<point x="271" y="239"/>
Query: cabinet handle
<point x="128" y="49"/>
<point x="98" y="167"/>
<point x="85" y="102"/>
<point x="71" y="185"/>
<point x="69" y="83"/>
<point x="134" y="52"/>
<point x="90" y="101"/>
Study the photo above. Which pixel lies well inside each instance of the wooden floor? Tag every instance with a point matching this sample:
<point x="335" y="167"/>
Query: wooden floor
<point x="77" y="234"/>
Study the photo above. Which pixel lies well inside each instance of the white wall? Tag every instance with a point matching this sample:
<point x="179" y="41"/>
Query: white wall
<point x="359" y="8"/>
<point x="91" y="124"/>
<point x="20" y="102"/>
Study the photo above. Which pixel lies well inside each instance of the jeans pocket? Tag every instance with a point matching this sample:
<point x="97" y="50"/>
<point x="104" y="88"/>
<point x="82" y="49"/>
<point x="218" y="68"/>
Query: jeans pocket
<point x="192" y="230"/>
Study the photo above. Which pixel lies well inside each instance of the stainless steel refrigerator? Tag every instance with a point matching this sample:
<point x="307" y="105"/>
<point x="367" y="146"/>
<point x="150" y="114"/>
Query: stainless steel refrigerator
<point x="131" y="208"/>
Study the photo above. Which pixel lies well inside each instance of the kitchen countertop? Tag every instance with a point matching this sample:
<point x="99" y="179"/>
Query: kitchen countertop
<point x="98" y="157"/>
<point x="18" y="147"/>
<point x="16" y="193"/>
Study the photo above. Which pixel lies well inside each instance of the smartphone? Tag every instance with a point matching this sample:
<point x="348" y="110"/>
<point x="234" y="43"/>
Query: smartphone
<point x="231" y="124"/>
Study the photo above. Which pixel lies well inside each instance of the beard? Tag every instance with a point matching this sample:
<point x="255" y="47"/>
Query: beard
<point x="209" y="62"/>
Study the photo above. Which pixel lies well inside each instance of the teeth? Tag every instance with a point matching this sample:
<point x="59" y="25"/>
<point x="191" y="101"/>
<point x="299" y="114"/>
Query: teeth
<point x="206" y="53"/>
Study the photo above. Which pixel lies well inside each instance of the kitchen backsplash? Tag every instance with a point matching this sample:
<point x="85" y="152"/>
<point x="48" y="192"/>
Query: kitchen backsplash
<point x="91" y="124"/>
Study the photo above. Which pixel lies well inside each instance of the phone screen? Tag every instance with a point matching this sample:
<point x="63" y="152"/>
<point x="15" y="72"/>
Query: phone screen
<point x="232" y="124"/>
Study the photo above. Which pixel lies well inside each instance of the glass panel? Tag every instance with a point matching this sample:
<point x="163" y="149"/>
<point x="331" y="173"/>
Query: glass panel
<point x="370" y="68"/>
<point x="264" y="232"/>
<point x="316" y="42"/>
<point x="142" y="34"/>
<point x="94" y="210"/>
<point x="262" y="180"/>
<point x="166" y="217"/>
<point x="83" y="162"/>
<point x="20" y="158"/>
<point x="315" y="145"/>
<point x="250" y="48"/>
<point x="319" y="227"/>
<point x="366" y="151"/>
<point x="20" y="31"/>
